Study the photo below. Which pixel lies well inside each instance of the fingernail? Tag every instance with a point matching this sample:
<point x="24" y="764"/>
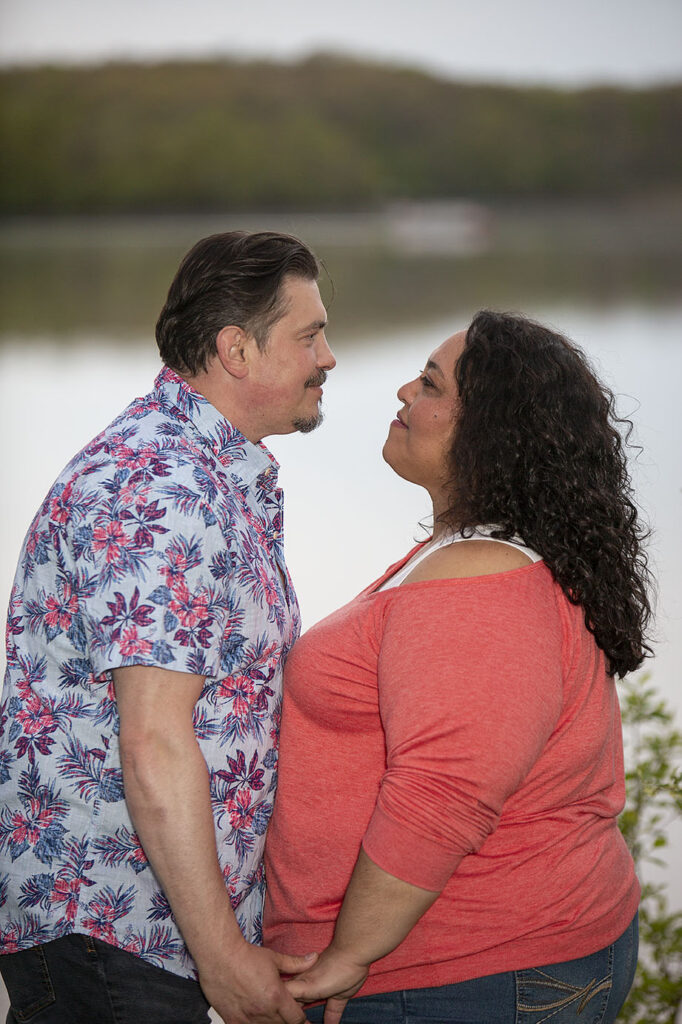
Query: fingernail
<point x="310" y="956"/>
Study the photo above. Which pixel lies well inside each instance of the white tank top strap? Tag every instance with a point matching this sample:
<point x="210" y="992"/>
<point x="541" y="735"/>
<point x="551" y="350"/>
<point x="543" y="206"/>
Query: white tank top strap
<point x="449" y="537"/>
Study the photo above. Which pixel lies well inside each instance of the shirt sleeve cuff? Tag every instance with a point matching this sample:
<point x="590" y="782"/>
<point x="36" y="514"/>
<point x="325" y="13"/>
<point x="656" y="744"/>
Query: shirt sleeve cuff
<point x="407" y="855"/>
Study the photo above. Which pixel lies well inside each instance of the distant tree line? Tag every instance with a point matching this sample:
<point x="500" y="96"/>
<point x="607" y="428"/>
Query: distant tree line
<point x="324" y="133"/>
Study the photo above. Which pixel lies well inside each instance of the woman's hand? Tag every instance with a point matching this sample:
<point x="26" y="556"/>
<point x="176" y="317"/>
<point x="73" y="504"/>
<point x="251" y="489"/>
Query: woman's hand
<point x="335" y="977"/>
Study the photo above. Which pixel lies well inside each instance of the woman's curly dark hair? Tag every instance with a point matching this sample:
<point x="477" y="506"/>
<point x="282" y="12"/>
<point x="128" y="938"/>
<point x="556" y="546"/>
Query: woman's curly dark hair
<point x="536" y="451"/>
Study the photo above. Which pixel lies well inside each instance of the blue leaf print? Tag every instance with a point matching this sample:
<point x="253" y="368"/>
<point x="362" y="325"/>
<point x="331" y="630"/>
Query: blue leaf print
<point x="270" y="759"/>
<point x="77" y="634"/>
<point x="75" y="672"/>
<point x="111" y="786"/>
<point x="5" y="762"/>
<point x="159" y="907"/>
<point x="36" y="890"/>
<point x="162" y="652"/>
<point x="16" y="849"/>
<point x="82" y="541"/>
<point x="50" y="844"/>
<point x="261" y="818"/>
<point x="170" y="622"/>
<point x="221" y="565"/>
<point x="161" y="595"/>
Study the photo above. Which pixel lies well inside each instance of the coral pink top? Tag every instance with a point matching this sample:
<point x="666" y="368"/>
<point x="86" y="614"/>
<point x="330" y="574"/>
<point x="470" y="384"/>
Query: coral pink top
<point x="465" y="733"/>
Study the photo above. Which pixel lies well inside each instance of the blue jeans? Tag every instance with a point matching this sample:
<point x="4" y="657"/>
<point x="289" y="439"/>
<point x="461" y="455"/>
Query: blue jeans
<point x="590" y="990"/>
<point x="80" y="980"/>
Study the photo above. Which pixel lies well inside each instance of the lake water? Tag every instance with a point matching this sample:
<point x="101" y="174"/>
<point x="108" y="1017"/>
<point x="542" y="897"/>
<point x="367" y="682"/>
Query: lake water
<point x="76" y="343"/>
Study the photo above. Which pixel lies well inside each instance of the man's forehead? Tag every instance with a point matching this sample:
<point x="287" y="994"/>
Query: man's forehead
<point x="300" y="298"/>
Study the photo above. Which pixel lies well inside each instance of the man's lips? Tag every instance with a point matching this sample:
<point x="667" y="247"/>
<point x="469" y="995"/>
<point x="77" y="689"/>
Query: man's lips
<point x="399" y="423"/>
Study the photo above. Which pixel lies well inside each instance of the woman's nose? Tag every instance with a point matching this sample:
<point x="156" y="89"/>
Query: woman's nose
<point x="406" y="392"/>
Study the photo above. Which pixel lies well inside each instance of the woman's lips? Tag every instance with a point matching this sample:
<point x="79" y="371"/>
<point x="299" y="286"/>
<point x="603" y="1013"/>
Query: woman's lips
<point x="397" y="422"/>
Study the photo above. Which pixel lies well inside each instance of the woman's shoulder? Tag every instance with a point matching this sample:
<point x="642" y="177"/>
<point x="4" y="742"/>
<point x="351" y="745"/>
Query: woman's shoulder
<point x="467" y="559"/>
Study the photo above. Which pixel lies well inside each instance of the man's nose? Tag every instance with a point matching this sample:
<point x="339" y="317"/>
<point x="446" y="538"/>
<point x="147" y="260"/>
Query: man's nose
<point x="325" y="356"/>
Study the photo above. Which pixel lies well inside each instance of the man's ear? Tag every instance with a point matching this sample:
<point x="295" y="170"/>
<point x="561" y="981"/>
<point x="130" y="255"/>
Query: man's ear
<point x="232" y="348"/>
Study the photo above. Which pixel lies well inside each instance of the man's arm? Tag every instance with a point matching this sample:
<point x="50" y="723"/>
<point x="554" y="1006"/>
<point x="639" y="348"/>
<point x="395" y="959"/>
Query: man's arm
<point x="167" y="792"/>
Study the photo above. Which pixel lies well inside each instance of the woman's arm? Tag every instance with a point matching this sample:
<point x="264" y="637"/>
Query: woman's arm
<point x="378" y="911"/>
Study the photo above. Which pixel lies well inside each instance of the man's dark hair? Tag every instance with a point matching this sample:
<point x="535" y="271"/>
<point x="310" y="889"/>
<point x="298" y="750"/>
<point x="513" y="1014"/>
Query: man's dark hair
<point x="231" y="278"/>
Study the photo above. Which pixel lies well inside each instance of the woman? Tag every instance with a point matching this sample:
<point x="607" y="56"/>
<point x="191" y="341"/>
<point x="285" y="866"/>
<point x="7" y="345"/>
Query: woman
<point x="451" y="756"/>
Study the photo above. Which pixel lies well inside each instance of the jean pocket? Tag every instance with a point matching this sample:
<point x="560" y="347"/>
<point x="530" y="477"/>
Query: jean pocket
<point x="575" y="992"/>
<point x="27" y="978"/>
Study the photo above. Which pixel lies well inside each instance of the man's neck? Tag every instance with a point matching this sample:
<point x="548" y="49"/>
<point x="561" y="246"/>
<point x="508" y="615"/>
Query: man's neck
<point x="217" y="392"/>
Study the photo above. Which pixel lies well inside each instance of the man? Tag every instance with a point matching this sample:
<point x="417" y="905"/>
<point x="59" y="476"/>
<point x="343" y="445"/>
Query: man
<point x="150" y="617"/>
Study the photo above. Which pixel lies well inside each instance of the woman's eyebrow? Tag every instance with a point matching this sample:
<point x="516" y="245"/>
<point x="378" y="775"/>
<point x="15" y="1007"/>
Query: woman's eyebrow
<point x="430" y="365"/>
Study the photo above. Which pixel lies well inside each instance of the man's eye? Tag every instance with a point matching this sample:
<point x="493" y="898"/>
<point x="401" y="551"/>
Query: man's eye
<point x="426" y="381"/>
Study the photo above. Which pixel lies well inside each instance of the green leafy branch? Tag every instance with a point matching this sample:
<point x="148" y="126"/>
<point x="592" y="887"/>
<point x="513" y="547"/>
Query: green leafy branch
<point x="653" y="755"/>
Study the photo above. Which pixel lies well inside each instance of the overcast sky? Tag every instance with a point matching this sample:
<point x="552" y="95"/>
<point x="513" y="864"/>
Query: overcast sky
<point x="629" y="41"/>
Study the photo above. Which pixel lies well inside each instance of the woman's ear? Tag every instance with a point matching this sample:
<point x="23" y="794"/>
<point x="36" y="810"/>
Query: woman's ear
<point x="232" y="347"/>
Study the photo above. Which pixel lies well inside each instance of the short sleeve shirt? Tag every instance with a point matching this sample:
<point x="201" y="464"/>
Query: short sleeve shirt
<point x="160" y="544"/>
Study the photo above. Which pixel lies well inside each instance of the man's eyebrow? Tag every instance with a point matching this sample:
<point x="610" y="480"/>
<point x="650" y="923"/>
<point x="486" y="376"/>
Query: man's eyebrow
<point x="430" y="365"/>
<point x="316" y="325"/>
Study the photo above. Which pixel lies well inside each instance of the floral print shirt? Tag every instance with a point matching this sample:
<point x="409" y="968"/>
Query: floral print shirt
<point x="159" y="544"/>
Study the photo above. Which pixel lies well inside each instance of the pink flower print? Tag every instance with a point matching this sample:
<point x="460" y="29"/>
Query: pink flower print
<point x="35" y="717"/>
<point x="111" y="539"/>
<point x="106" y="908"/>
<point x="101" y="924"/>
<point x="240" y="690"/>
<point x="67" y="893"/>
<point x="268" y="585"/>
<point x="231" y="879"/>
<point x="60" y="505"/>
<point x="130" y="643"/>
<point x="133" y="494"/>
<point x="9" y="939"/>
<point x="240" y="810"/>
<point x="190" y="609"/>
<point x="27" y="828"/>
<point x="60" y="610"/>
<point x="122" y="452"/>
<point x="176" y="568"/>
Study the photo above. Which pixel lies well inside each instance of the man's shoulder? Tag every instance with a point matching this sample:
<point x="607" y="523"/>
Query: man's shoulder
<point x="143" y="455"/>
<point x="144" y="439"/>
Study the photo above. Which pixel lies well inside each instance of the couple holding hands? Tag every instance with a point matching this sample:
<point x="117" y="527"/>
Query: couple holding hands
<point x="443" y="842"/>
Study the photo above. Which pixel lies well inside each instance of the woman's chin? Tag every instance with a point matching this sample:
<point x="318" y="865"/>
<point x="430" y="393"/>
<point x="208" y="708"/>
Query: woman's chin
<point x="386" y="451"/>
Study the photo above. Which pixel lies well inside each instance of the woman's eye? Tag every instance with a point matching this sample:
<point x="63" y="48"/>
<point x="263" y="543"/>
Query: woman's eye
<point x="426" y="381"/>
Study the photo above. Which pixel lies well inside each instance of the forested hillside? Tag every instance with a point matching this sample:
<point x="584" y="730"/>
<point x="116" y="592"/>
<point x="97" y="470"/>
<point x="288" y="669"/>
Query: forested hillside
<point x="324" y="133"/>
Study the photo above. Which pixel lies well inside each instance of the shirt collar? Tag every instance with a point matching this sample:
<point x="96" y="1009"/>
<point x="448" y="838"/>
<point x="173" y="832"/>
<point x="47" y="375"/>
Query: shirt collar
<point x="246" y="460"/>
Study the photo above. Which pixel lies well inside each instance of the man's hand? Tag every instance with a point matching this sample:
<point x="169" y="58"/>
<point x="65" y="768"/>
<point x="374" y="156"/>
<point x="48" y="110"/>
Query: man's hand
<point x="250" y="991"/>
<point x="335" y="977"/>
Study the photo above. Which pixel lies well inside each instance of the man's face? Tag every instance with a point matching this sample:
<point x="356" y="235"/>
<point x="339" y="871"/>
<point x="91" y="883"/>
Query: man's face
<point x="286" y="378"/>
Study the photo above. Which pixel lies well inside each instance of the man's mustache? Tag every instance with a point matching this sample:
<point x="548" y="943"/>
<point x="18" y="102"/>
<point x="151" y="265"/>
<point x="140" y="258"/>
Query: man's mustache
<point x="317" y="379"/>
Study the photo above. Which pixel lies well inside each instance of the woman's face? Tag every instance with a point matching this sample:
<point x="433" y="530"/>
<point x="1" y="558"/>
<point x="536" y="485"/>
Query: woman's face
<point x="419" y="438"/>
